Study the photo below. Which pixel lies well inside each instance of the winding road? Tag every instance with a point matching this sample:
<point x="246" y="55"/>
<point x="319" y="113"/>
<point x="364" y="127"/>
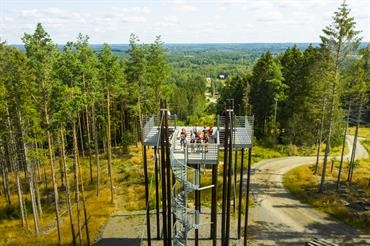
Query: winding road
<point x="280" y="219"/>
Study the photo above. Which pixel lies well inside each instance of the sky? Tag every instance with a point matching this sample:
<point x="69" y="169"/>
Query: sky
<point x="177" y="21"/>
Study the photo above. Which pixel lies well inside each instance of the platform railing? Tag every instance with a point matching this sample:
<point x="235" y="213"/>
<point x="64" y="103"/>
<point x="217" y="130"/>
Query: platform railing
<point x="149" y="123"/>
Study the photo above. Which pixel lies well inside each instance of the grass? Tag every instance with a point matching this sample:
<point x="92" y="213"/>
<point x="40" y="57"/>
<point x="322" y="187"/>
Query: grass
<point x="260" y="152"/>
<point x="362" y="131"/>
<point x="129" y="195"/>
<point x="304" y="185"/>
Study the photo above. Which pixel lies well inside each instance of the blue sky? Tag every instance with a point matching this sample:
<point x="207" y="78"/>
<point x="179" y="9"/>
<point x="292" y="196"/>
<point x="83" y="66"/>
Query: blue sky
<point x="177" y="21"/>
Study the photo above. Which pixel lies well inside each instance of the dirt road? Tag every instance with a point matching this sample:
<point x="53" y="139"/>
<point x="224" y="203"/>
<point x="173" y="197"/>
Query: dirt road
<point x="280" y="219"/>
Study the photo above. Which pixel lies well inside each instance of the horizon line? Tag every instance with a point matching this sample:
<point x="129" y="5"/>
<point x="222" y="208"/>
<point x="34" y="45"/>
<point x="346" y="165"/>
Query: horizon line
<point x="195" y="43"/>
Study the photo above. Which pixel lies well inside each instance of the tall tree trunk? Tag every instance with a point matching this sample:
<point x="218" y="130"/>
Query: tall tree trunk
<point x="45" y="183"/>
<point x="77" y="185"/>
<point x="320" y="136"/>
<point x="81" y="135"/>
<point x="122" y="122"/>
<point x="16" y="169"/>
<point x="89" y="143"/>
<point x="31" y="188"/>
<point x="55" y="186"/>
<point x="343" y="147"/>
<point x="5" y="171"/>
<point x="20" y="196"/>
<point x="109" y="148"/>
<point x="353" y="154"/>
<point x="68" y="194"/>
<point x="34" y="164"/>
<point x="96" y="145"/>
<point x="22" y="158"/>
<point x="330" y="126"/>
<point x="140" y="121"/>
<point x="36" y="187"/>
<point x="84" y="206"/>
<point x="52" y="165"/>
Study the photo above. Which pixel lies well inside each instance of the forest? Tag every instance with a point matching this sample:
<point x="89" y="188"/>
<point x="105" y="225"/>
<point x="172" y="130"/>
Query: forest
<point x="66" y="104"/>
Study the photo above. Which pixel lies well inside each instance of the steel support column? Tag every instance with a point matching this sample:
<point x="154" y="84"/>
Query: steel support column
<point x="156" y="192"/>
<point x="147" y="196"/>
<point x="247" y="197"/>
<point x="240" y="193"/>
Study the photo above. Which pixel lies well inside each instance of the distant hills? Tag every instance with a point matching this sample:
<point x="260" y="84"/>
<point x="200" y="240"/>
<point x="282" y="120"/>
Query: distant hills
<point x="254" y="48"/>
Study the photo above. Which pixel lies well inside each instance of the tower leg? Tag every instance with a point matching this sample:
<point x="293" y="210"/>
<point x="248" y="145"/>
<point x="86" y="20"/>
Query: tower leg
<point x="240" y="194"/>
<point x="247" y="195"/>
<point x="147" y="196"/>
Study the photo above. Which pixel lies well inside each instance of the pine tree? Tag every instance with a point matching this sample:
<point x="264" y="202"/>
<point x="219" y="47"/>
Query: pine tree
<point x="158" y="72"/>
<point x="69" y="100"/>
<point x="266" y="87"/>
<point x="340" y="39"/>
<point x="41" y="52"/>
<point x="238" y="88"/>
<point x="111" y="77"/>
<point x="22" y="121"/>
<point x="87" y="79"/>
<point x="357" y="83"/>
<point x="136" y="80"/>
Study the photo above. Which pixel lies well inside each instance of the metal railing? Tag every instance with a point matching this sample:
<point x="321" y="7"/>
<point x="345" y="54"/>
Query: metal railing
<point x="149" y="123"/>
<point x="242" y="130"/>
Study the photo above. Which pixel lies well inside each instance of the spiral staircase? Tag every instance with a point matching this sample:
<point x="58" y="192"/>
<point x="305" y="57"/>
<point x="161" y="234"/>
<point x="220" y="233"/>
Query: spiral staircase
<point x="187" y="181"/>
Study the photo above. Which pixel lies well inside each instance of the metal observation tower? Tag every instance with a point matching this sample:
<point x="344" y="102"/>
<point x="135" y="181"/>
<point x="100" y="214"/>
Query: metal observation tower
<point x="178" y="173"/>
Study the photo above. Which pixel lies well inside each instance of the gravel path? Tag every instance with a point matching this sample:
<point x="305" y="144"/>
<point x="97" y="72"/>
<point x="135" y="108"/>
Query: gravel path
<point x="280" y="219"/>
<point x="129" y="229"/>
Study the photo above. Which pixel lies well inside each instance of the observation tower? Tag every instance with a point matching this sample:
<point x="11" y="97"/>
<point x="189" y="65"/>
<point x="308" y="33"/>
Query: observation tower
<point x="179" y="169"/>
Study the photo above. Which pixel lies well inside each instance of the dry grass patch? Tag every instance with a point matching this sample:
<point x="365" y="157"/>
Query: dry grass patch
<point x="129" y="195"/>
<point x="351" y="204"/>
<point x="362" y="131"/>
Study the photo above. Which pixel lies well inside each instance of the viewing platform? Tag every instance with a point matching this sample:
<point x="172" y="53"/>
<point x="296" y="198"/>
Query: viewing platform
<point x="242" y="137"/>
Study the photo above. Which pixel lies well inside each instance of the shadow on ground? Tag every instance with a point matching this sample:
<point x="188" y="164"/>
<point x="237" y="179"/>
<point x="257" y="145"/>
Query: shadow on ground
<point x="281" y="234"/>
<point x="119" y="242"/>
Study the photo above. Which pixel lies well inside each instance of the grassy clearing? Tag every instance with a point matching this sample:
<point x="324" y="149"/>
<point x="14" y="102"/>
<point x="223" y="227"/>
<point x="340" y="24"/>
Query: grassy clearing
<point x="362" y="132"/>
<point x="260" y="153"/>
<point x="129" y="193"/>
<point x="304" y="185"/>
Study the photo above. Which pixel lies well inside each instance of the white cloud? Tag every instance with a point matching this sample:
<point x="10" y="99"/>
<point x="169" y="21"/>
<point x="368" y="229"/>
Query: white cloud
<point x="136" y="10"/>
<point x="185" y="7"/>
<point x="48" y="16"/>
<point x="179" y="20"/>
<point x="133" y="19"/>
<point x="171" y="19"/>
<point x="270" y="16"/>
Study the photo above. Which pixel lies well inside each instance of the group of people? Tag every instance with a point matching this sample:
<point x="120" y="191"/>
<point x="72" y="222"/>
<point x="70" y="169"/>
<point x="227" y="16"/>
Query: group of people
<point x="197" y="136"/>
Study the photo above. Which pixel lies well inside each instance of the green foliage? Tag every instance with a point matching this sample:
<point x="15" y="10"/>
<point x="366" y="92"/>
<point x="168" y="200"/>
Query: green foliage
<point x="238" y="88"/>
<point x="188" y="98"/>
<point x="158" y="71"/>
<point x="68" y="95"/>
<point x="127" y="139"/>
<point x="139" y="90"/>
<point x="341" y="37"/>
<point x="266" y="87"/>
